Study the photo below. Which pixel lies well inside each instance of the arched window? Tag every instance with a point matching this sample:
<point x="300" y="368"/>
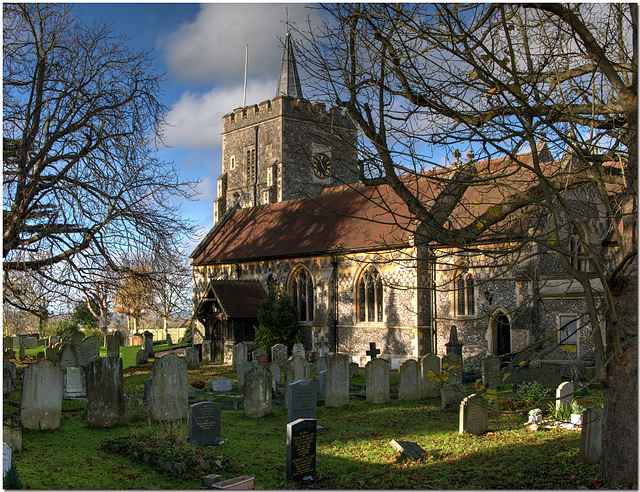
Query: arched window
<point x="464" y="287"/>
<point x="370" y="296"/>
<point x="301" y="292"/>
<point x="578" y="252"/>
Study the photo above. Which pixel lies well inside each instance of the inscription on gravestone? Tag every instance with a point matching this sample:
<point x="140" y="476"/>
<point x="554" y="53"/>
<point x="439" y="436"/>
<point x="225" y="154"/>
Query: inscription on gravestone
<point x="204" y="423"/>
<point x="301" y="449"/>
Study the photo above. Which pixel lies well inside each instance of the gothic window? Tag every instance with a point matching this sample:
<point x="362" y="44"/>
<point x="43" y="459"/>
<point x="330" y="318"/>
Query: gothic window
<point x="301" y="292"/>
<point x="568" y="331"/>
<point x="370" y="296"/>
<point x="577" y="251"/>
<point x="464" y="290"/>
<point x="251" y="165"/>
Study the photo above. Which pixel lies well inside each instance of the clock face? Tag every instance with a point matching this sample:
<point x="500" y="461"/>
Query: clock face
<point x="321" y="166"/>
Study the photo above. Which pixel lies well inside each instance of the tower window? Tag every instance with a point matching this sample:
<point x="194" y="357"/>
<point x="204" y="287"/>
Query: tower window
<point x="251" y="165"/>
<point x="232" y="162"/>
<point x="269" y="176"/>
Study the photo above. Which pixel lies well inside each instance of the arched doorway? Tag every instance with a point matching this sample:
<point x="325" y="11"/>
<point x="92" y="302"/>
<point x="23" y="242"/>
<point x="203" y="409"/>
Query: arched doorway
<point x="499" y="336"/>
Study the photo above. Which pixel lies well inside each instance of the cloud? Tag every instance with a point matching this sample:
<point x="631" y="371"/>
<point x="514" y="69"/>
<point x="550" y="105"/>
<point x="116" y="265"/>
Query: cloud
<point x="195" y="121"/>
<point x="212" y="47"/>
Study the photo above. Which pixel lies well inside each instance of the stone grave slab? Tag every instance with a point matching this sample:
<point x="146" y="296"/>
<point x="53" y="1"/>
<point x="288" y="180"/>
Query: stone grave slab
<point x="301" y="449"/>
<point x="220" y="384"/>
<point x="303" y="400"/>
<point x="42" y="390"/>
<point x="322" y="384"/>
<point x="591" y="435"/>
<point x="409" y="450"/>
<point x="241" y="369"/>
<point x="409" y="381"/>
<point x="354" y="369"/>
<point x="74" y="383"/>
<point x="205" y="423"/>
<point x="491" y="376"/>
<point x="296" y="369"/>
<point x="169" y="389"/>
<point x="105" y="392"/>
<point x="429" y="366"/>
<point x="337" y="383"/>
<point x="257" y="392"/>
<point x="377" y="381"/>
<point x="240" y="355"/>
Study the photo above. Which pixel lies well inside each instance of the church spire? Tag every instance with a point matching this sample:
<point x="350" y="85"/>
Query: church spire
<point x="289" y="82"/>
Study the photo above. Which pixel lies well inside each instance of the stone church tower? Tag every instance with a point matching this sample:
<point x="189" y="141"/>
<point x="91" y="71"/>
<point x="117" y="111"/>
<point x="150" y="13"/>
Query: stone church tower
<point x="285" y="148"/>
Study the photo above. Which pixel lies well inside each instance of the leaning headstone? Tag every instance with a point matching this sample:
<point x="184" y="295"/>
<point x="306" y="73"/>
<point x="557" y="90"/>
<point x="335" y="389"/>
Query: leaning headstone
<point x="564" y="396"/>
<point x="240" y="355"/>
<point x="67" y="355"/>
<point x="491" y="377"/>
<point x="170" y="398"/>
<point x="141" y="357"/>
<point x="301" y="449"/>
<point x="337" y="386"/>
<point x="429" y="369"/>
<point x="91" y="346"/>
<point x="6" y="458"/>
<point x="303" y="399"/>
<point x="204" y="423"/>
<point x="220" y="384"/>
<point x="591" y="436"/>
<point x="41" y="401"/>
<point x="322" y="384"/>
<point x="409" y="381"/>
<point x="74" y="382"/>
<point x="279" y="353"/>
<point x="298" y="349"/>
<point x="113" y="348"/>
<point x="409" y="450"/>
<point x="474" y="415"/>
<point x="296" y="368"/>
<point x="257" y="392"/>
<point x="148" y="343"/>
<point x="377" y="381"/>
<point x="191" y="356"/>
<point x="105" y="392"/>
<point x="241" y="369"/>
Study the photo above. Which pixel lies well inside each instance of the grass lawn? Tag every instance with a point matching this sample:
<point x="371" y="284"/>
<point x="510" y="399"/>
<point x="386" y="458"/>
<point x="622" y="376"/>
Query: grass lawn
<point x="352" y="453"/>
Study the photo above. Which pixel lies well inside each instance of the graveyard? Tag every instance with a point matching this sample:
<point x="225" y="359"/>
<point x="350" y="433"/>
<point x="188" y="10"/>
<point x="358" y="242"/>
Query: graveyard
<point x="354" y="428"/>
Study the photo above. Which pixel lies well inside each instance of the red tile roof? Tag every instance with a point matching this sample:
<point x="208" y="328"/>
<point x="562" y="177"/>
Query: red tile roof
<point x="237" y="299"/>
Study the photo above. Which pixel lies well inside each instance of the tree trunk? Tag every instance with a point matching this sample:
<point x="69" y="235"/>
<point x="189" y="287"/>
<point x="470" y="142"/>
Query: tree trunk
<point x="619" y="462"/>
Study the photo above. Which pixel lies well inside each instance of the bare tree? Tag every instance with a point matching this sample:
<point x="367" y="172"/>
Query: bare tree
<point x="422" y="79"/>
<point x="81" y="117"/>
<point x="134" y="292"/>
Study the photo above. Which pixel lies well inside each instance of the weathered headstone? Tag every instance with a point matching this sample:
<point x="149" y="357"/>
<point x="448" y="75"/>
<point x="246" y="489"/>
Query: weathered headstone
<point x="451" y="368"/>
<point x="240" y="355"/>
<point x="168" y="339"/>
<point x="298" y="349"/>
<point x="91" y="346"/>
<point x="354" y="369"/>
<point x="337" y="385"/>
<point x="322" y="384"/>
<point x="296" y="368"/>
<point x="377" y="381"/>
<point x="429" y="368"/>
<point x="51" y="353"/>
<point x="279" y="353"/>
<point x="74" y="382"/>
<point x="257" y="352"/>
<point x="8" y="376"/>
<point x="170" y="398"/>
<point x="276" y="374"/>
<point x="22" y="353"/>
<point x="12" y="432"/>
<point x="409" y="381"/>
<point x="591" y="436"/>
<point x="409" y="450"/>
<point x="301" y="449"/>
<point x="41" y="400"/>
<point x="564" y="396"/>
<point x="204" y="423"/>
<point x="119" y="337"/>
<point x="147" y="394"/>
<point x="474" y="415"/>
<point x="491" y="377"/>
<point x="207" y="350"/>
<point x="220" y="384"/>
<point x="77" y="337"/>
<point x="303" y="399"/>
<point x="113" y="347"/>
<point x="241" y="369"/>
<point x="29" y="343"/>
<point x="67" y="356"/>
<point x="105" y="392"/>
<point x="6" y="458"/>
<point x="262" y="359"/>
<point x="148" y="343"/>
<point x="141" y="357"/>
<point x="257" y="392"/>
<point x="191" y="356"/>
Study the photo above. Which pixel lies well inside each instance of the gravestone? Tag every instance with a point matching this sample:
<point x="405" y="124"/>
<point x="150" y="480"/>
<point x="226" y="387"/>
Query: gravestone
<point x="373" y="352"/>
<point x="148" y="343"/>
<point x="321" y="363"/>
<point x="67" y="356"/>
<point x="40" y="355"/>
<point x="119" y="337"/>
<point x="409" y="450"/>
<point x="354" y="369"/>
<point x="204" y="423"/>
<point x="298" y="349"/>
<point x="191" y="356"/>
<point x="105" y="392"/>
<point x="301" y="449"/>
<point x="241" y="369"/>
<point x="591" y="436"/>
<point x="337" y="385"/>
<point x="207" y="350"/>
<point x="409" y="381"/>
<point x="220" y="384"/>
<point x="322" y="384"/>
<point x="113" y="347"/>
<point x="257" y="392"/>
<point x="41" y="400"/>
<point x="91" y="346"/>
<point x="29" y="343"/>
<point x="53" y="340"/>
<point x="303" y="399"/>
<point x="12" y="432"/>
<point x="262" y="359"/>
<point x="491" y="377"/>
<point x="8" y="376"/>
<point x="147" y="394"/>
<point x="137" y="340"/>
<point x="141" y="357"/>
<point x="564" y="396"/>
<point x="296" y="368"/>
<point x="170" y="398"/>
<point x="239" y="355"/>
<point x="168" y="339"/>
<point x="276" y="374"/>
<point x="429" y="368"/>
<point x="257" y="352"/>
<point x="6" y="458"/>
<point x="377" y="381"/>
<point x="7" y="342"/>
<point x="451" y="368"/>
<point x="74" y="382"/>
<point x="22" y="353"/>
<point x="474" y="415"/>
<point x="77" y="337"/>
<point x="9" y="354"/>
<point x="279" y="353"/>
<point x="51" y="353"/>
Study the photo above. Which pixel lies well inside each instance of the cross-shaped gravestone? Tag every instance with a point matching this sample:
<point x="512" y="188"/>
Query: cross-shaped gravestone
<point x="373" y="351"/>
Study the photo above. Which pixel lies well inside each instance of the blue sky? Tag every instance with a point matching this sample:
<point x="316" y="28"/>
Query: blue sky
<point x="201" y="50"/>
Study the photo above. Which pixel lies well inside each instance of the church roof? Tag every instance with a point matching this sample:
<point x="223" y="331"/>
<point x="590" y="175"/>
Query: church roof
<point x="236" y="298"/>
<point x="289" y="81"/>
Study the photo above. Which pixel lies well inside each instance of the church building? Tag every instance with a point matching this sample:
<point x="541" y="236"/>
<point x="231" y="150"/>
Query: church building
<point x="355" y="263"/>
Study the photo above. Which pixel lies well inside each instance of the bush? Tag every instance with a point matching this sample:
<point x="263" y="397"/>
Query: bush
<point x="278" y="320"/>
<point x="12" y="479"/>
